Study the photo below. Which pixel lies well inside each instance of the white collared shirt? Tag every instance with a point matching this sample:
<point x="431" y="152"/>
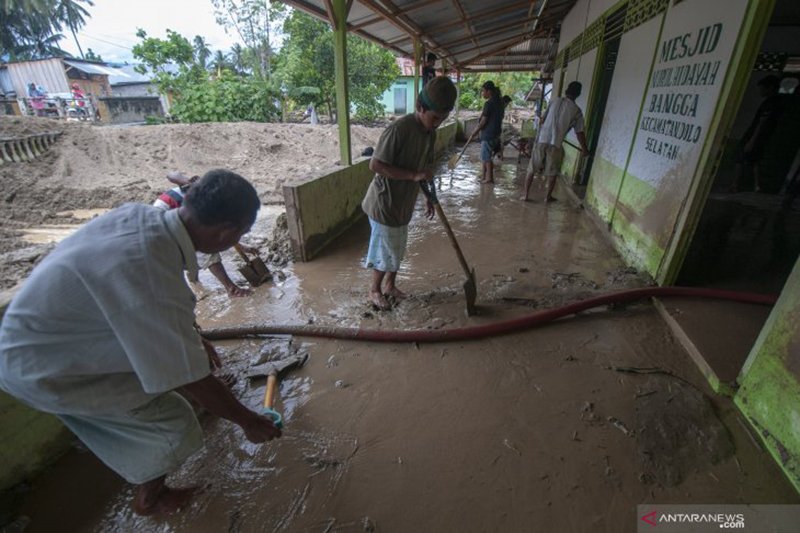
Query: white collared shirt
<point x="562" y="114"/>
<point x="105" y="322"/>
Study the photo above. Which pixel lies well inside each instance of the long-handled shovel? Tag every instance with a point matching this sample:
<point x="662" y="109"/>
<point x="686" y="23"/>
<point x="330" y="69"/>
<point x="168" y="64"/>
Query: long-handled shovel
<point x="453" y="161"/>
<point x="254" y="270"/>
<point x="470" y="290"/>
<point x="272" y="370"/>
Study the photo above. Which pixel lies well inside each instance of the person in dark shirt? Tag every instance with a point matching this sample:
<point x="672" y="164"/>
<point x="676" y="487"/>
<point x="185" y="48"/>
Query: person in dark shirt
<point x="751" y="150"/>
<point x="428" y="68"/>
<point x="490" y="126"/>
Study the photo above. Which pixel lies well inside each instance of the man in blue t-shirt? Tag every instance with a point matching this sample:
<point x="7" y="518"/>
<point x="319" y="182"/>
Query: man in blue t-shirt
<point x="490" y="126"/>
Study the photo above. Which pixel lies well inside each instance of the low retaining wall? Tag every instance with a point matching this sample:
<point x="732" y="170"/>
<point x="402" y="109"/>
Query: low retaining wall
<point x="129" y="109"/>
<point x="321" y="207"/>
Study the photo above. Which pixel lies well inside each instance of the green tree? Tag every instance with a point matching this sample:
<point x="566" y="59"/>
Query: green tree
<point x="31" y="29"/>
<point x="196" y="97"/>
<point x="306" y="61"/>
<point x="201" y="51"/>
<point x="515" y="84"/>
<point x="256" y="22"/>
<point x="91" y="56"/>
<point x="171" y="61"/>
<point x="73" y="15"/>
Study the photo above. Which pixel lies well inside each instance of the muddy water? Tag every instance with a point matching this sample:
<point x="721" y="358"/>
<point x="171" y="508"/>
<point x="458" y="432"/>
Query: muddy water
<point x="503" y="434"/>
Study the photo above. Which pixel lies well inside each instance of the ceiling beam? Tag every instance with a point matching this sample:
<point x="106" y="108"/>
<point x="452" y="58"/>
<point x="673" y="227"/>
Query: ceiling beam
<point x="322" y="15"/>
<point x="489" y="33"/>
<point x="395" y="12"/>
<point x="482" y="14"/>
<point x="523" y="38"/>
<point x="467" y="26"/>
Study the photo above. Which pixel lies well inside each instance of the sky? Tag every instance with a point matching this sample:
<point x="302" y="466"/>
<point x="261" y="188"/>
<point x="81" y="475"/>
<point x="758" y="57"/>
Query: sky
<point x="111" y="29"/>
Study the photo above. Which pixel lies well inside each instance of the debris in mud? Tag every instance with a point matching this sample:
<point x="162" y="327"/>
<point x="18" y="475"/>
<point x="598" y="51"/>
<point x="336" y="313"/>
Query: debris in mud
<point x="679" y="432"/>
<point x="617" y="423"/>
<point x="571" y="279"/>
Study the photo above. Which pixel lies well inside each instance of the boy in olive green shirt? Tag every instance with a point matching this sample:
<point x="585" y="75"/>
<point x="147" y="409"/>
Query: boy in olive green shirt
<point x="403" y="157"/>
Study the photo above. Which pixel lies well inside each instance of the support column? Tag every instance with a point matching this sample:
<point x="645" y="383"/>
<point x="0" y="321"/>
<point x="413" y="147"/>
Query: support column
<point x="417" y="54"/>
<point x="339" y="18"/>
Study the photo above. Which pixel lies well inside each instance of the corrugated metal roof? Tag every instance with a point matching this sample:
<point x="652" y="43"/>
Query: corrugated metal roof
<point x="471" y="35"/>
<point x="94" y="68"/>
<point x="49" y="73"/>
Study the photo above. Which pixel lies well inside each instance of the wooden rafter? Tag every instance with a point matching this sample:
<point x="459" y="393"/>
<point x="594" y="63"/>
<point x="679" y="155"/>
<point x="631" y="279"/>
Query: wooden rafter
<point x="467" y="25"/>
<point x="393" y="13"/>
<point x="499" y="49"/>
<point x="480" y="15"/>
<point x="323" y="15"/>
<point x="490" y="32"/>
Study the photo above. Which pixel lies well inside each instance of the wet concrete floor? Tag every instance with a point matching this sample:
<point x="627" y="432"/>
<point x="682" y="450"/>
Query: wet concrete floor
<point x="544" y="430"/>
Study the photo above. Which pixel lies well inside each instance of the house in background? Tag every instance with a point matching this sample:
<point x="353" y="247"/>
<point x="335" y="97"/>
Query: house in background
<point x="399" y="99"/>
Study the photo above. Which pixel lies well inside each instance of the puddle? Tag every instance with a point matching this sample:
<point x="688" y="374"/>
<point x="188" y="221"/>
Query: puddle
<point x="48" y="233"/>
<point x="82" y="214"/>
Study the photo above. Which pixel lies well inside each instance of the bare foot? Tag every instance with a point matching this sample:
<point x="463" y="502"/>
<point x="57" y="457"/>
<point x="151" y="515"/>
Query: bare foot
<point x="166" y="501"/>
<point x="396" y="293"/>
<point x="235" y="291"/>
<point x="523" y="198"/>
<point x="379" y="301"/>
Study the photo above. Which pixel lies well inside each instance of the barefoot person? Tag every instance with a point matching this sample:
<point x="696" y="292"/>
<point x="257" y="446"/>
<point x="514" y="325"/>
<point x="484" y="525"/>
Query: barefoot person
<point x="491" y="127"/>
<point x="403" y="157"/>
<point x="172" y="199"/>
<point x="562" y="115"/>
<point x="102" y="335"/>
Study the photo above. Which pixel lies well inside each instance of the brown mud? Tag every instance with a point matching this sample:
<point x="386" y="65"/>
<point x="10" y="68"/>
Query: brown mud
<point x="104" y="167"/>
<point x="534" y="431"/>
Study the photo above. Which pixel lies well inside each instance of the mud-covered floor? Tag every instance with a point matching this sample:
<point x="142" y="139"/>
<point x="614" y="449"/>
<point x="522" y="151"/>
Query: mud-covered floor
<point x="552" y="429"/>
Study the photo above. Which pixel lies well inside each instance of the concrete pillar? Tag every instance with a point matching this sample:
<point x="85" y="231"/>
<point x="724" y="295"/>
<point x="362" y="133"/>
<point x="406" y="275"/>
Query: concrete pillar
<point x="339" y="19"/>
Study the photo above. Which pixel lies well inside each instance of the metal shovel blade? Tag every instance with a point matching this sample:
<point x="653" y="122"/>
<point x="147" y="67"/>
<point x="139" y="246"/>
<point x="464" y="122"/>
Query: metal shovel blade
<point x="277" y="367"/>
<point x="471" y="292"/>
<point x="255" y="272"/>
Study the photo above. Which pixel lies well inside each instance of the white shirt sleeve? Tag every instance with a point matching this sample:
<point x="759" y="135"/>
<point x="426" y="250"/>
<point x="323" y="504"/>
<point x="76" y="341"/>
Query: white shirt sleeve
<point x="579" y="125"/>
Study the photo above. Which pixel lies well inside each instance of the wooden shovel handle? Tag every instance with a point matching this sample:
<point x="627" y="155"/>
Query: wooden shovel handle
<point x="466" y="145"/>
<point x="269" y="395"/>
<point x="239" y="249"/>
<point x="452" y="237"/>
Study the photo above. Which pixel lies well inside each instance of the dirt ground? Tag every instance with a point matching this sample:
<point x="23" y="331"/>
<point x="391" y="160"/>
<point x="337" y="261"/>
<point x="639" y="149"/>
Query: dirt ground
<point x="550" y="429"/>
<point x="92" y="167"/>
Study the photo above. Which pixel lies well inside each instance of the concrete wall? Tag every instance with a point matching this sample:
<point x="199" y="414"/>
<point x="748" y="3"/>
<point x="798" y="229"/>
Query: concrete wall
<point x="769" y="393"/>
<point x="29" y="440"/>
<point x="321" y="207"/>
<point x="641" y="178"/>
<point x="126" y="110"/>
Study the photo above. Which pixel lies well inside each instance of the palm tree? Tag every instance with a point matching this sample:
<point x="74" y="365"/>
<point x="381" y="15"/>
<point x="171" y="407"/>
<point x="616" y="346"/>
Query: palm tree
<point x="220" y="62"/>
<point x="238" y="58"/>
<point x="70" y="13"/>
<point x="201" y="51"/>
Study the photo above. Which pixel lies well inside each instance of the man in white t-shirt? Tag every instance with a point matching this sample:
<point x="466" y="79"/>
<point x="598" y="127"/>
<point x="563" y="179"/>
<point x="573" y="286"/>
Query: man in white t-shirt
<point x="562" y="115"/>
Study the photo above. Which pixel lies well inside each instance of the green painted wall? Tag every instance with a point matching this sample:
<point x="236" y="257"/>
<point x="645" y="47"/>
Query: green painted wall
<point x="320" y="207"/>
<point x="29" y="440"/>
<point x="403" y="82"/>
<point x="769" y="392"/>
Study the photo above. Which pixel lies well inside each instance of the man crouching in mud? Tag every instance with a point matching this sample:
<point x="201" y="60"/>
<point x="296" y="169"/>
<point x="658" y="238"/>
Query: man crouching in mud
<point x="102" y="335"/>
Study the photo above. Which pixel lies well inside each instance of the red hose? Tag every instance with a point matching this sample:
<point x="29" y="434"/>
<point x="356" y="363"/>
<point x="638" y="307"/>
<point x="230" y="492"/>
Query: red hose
<point x="486" y="330"/>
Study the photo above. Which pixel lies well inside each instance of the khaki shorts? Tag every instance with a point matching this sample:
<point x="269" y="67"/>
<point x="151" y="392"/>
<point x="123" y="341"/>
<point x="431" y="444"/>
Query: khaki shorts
<point x="546" y="159"/>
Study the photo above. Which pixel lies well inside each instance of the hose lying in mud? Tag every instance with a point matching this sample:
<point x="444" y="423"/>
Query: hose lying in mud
<point x="485" y="330"/>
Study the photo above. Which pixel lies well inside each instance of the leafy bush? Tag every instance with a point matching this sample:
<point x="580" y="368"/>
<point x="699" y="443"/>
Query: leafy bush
<point x="226" y="99"/>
